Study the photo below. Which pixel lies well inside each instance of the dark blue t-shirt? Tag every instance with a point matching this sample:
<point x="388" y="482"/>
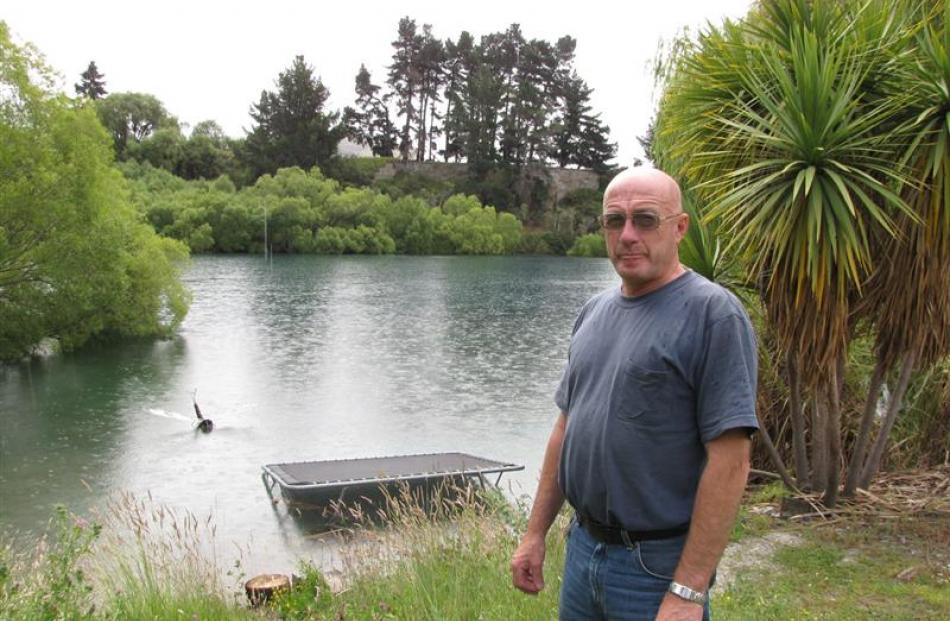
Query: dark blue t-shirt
<point x="648" y="381"/>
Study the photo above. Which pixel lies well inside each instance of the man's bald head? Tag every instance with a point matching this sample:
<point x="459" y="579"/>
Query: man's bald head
<point x="644" y="185"/>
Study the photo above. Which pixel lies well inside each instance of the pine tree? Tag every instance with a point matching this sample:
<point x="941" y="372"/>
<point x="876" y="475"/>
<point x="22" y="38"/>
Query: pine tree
<point x="291" y="127"/>
<point x="369" y="123"/>
<point x="93" y="85"/>
<point x="582" y="139"/>
<point x="458" y="66"/>
<point x="429" y="69"/>
<point x="404" y="80"/>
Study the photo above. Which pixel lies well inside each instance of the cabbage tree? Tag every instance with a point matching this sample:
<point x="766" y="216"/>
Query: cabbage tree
<point x="779" y="123"/>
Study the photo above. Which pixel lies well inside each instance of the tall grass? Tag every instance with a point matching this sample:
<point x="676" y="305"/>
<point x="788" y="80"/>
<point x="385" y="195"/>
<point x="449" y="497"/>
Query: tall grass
<point x="137" y="560"/>
<point x="444" y="558"/>
<point x="47" y="581"/>
<point x="153" y="562"/>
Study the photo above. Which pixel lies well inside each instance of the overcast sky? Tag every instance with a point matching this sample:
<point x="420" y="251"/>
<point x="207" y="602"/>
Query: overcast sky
<point x="210" y="60"/>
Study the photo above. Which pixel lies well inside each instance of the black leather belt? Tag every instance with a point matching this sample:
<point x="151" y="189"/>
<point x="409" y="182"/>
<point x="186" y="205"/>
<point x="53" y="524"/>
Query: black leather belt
<point x="618" y="536"/>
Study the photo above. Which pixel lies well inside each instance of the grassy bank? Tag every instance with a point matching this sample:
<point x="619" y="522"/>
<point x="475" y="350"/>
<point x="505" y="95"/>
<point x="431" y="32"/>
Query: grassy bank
<point x="148" y="563"/>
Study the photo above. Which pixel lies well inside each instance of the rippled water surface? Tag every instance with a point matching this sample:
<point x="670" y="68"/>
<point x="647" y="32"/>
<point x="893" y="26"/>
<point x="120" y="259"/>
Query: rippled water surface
<point x="299" y="359"/>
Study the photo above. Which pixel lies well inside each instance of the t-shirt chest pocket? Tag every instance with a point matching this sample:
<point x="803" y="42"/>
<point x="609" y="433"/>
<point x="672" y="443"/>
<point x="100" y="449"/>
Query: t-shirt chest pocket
<point x="646" y="397"/>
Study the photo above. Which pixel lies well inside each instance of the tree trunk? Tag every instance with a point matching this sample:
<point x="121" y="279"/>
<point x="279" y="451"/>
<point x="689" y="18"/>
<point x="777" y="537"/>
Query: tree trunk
<point x="260" y="589"/>
<point x="799" y="446"/>
<point x="819" y="447"/>
<point x="893" y="407"/>
<point x="834" y="435"/>
<point x="421" y="131"/>
<point x="864" y="432"/>
<point x="776" y="458"/>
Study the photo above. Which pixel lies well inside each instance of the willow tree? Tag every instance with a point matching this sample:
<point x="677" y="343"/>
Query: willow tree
<point x="779" y="124"/>
<point x="76" y="261"/>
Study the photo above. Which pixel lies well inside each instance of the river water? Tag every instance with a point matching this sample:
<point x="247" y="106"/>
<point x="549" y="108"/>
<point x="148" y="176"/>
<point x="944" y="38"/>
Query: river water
<point x="299" y="358"/>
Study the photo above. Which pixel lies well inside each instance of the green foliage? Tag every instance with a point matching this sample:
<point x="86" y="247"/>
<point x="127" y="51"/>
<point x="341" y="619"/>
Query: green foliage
<point x="76" y="262"/>
<point x="580" y="210"/>
<point x="309" y="594"/>
<point x="703" y="252"/>
<point x="308" y="213"/>
<point x="590" y="245"/>
<point x="92" y="85"/>
<point x="534" y="242"/>
<point x="434" y="191"/>
<point x="444" y="563"/>
<point x="51" y="584"/>
<point x="291" y="127"/>
<point x="500" y="101"/>
<point x="817" y="135"/>
<point x="369" y="123"/>
<point x="131" y="118"/>
<point x="558" y="241"/>
<point x="356" y="171"/>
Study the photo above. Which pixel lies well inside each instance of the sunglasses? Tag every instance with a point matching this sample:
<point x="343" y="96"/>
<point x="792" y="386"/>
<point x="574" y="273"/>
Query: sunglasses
<point x="642" y="220"/>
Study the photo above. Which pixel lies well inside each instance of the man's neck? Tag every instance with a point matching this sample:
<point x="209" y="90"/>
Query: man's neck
<point x="645" y="288"/>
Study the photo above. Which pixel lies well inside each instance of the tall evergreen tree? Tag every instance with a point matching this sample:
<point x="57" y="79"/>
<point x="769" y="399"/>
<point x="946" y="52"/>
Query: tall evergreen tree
<point x="458" y="67"/>
<point x="429" y="68"/>
<point x="507" y="57"/>
<point x="291" y="126"/>
<point x="582" y="139"/>
<point x="404" y="80"/>
<point x="93" y="84"/>
<point x="369" y="123"/>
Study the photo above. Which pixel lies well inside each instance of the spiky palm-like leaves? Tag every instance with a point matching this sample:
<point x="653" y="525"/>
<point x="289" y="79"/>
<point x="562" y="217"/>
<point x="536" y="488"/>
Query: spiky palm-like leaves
<point x="908" y="297"/>
<point x="787" y="124"/>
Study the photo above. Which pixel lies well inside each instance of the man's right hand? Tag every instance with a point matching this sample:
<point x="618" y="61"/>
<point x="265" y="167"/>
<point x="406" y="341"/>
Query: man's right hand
<point x="527" y="565"/>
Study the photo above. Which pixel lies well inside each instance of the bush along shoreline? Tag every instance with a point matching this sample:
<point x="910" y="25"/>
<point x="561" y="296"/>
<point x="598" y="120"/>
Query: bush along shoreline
<point x="303" y="212"/>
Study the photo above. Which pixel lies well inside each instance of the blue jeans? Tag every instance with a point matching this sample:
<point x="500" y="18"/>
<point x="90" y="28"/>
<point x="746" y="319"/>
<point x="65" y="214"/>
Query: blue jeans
<point x="605" y="582"/>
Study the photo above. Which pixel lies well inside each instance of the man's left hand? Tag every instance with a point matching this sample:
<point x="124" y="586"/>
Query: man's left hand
<point x="675" y="608"/>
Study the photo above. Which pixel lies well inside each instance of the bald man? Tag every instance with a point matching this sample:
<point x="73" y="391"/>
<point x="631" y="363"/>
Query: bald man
<point x="651" y="448"/>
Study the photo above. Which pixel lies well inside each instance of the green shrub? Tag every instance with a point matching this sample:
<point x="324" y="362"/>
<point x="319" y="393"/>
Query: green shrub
<point x="356" y="171"/>
<point x="433" y="191"/>
<point x="590" y="245"/>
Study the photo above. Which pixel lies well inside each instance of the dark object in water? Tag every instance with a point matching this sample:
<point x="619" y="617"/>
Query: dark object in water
<point x="204" y="424"/>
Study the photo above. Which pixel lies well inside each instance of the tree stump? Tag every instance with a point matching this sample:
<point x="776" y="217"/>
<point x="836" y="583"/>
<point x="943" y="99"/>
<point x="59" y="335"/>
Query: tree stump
<point x="261" y="588"/>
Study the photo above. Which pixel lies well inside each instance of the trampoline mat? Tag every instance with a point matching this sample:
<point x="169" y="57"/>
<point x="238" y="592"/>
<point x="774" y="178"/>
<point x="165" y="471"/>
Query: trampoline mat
<point x="385" y="468"/>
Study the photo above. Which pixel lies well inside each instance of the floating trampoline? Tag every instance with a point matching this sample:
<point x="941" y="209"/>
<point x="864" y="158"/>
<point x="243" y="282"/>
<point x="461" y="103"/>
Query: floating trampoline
<point x="320" y="483"/>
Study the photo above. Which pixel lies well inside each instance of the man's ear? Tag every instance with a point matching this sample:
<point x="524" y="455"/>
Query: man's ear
<point x="682" y="225"/>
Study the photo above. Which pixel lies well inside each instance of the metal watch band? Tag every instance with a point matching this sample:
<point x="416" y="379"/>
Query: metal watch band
<point x="683" y="591"/>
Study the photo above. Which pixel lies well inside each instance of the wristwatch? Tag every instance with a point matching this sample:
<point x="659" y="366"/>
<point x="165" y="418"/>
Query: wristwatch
<point x="683" y="591"/>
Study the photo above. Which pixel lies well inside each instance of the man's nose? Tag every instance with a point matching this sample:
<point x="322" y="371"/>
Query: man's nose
<point x="629" y="233"/>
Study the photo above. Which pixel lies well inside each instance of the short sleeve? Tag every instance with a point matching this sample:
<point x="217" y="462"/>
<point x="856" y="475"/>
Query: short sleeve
<point x="562" y="396"/>
<point x="726" y="382"/>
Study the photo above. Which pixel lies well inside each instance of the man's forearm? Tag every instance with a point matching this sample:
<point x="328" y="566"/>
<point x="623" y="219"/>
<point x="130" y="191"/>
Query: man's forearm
<point x="549" y="498"/>
<point x="527" y="562"/>
<point x="717" y="502"/>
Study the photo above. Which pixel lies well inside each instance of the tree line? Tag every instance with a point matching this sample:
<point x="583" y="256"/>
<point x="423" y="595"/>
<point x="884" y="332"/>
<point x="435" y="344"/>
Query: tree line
<point x="503" y="99"/>
<point x="496" y="104"/>
<point x="297" y="211"/>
